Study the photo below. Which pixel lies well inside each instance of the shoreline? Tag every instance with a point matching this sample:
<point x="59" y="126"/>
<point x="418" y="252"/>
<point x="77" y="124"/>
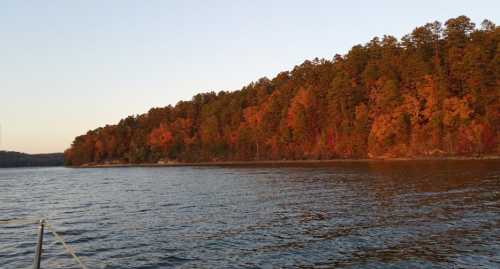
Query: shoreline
<point x="286" y="162"/>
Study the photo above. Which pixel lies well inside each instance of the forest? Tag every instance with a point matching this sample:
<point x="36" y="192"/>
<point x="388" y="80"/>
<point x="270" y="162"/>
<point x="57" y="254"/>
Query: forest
<point x="433" y="93"/>
<point x="18" y="159"/>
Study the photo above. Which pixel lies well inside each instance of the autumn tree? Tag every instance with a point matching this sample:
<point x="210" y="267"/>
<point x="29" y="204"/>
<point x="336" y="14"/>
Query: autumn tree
<point x="435" y="92"/>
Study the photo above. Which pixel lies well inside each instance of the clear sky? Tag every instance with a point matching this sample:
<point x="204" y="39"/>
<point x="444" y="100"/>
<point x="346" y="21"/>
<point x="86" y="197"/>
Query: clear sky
<point x="70" y="66"/>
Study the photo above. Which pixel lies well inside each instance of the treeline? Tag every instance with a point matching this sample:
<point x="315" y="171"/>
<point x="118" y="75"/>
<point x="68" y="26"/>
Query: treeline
<point x="18" y="159"/>
<point x="435" y="92"/>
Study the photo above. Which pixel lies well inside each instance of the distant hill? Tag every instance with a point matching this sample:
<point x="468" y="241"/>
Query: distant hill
<point x="18" y="159"/>
<point x="434" y="92"/>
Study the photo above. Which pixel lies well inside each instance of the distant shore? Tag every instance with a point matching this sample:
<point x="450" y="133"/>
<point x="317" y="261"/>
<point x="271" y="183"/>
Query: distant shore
<point x="285" y="162"/>
<point x="13" y="159"/>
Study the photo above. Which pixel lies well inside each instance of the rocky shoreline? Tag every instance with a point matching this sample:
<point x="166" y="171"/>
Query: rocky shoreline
<point x="285" y="162"/>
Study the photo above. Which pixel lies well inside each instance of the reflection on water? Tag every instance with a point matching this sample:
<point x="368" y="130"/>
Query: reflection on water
<point x="422" y="214"/>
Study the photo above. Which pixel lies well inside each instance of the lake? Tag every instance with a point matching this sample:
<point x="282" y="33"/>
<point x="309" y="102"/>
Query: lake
<point x="398" y="214"/>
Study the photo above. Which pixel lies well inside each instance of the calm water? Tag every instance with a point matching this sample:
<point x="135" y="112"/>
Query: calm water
<point x="345" y="215"/>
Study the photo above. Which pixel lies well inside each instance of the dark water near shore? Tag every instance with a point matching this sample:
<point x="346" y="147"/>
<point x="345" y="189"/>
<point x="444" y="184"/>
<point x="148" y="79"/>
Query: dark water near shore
<point x="426" y="214"/>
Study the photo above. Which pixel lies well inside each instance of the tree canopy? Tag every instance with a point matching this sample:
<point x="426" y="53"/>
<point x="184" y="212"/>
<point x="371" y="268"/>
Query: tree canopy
<point x="435" y="92"/>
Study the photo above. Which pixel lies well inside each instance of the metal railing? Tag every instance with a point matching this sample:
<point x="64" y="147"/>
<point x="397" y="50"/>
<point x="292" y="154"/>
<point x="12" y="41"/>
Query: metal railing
<point x="39" y="245"/>
<point x="43" y="223"/>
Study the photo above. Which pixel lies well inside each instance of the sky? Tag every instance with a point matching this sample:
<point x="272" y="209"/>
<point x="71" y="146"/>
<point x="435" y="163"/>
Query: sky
<point x="67" y="67"/>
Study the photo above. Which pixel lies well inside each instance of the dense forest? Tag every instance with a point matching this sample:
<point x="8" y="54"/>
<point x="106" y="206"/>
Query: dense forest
<point x="18" y="159"/>
<point x="435" y="92"/>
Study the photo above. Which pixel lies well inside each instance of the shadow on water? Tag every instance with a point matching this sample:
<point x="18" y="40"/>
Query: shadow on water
<point x="404" y="214"/>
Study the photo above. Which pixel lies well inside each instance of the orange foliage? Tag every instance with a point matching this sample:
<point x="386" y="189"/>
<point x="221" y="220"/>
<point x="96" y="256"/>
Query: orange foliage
<point x="160" y="137"/>
<point x="435" y="92"/>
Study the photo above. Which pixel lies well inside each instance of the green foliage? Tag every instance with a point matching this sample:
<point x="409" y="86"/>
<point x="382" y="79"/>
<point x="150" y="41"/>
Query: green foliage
<point x="391" y="93"/>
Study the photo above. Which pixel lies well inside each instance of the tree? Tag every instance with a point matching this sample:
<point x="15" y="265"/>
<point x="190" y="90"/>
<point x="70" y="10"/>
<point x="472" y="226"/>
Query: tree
<point x="434" y="92"/>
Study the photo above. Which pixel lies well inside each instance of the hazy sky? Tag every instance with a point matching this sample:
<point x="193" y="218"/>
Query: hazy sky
<point x="70" y="66"/>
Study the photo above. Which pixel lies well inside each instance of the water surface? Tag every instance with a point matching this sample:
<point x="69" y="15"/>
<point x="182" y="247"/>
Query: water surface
<point x="441" y="214"/>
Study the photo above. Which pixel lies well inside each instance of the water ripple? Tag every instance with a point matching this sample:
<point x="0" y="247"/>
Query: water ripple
<point x="347" y="215"/>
